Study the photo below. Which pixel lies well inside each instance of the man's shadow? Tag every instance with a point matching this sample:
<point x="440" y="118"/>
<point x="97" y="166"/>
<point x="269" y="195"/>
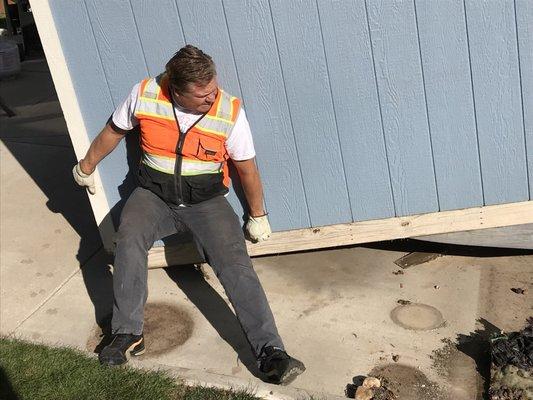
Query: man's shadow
<point x="193" y="283"/>
<point x="6" y="388"/>
<point x="476" y="345"/>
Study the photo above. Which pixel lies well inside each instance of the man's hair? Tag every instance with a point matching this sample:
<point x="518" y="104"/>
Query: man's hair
<point x="190" y="65"/>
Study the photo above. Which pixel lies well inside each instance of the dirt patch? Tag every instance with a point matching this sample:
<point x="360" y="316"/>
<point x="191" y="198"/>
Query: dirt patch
<point x="166" y="326"/>
<point x="408" y="383"/>
<point x="443" y="358"/>
<point x="417" y="316"/>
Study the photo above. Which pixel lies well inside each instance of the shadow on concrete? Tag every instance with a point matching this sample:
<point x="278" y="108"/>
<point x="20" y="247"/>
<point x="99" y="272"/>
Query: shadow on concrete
<point x="37" y="82"/>
<point x="351" y="388"/>
<point x="420" y="246"/>
<point x="476" y="345"/>
<point x="37" y="137"/>
<point x="6" y="389"/>
<point x="98" y="281"/>
<point x="192" y="282"/>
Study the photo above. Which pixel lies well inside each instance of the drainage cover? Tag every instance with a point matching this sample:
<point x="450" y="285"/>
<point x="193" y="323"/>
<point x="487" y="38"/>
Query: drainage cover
<point x="417" y="316"/>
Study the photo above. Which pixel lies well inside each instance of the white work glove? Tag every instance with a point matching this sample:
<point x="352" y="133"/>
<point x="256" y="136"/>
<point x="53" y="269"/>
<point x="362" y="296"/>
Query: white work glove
<point x="83" y="179"/>
<point x="258" y="228"/>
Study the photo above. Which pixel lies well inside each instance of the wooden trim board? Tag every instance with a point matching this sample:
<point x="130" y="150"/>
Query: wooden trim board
<point x="367" y="231"/>
<point x="71" y="111"/>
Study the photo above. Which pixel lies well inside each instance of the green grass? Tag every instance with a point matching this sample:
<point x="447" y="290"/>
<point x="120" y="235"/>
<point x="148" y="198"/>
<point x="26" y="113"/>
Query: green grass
<point x="29" y="371"/>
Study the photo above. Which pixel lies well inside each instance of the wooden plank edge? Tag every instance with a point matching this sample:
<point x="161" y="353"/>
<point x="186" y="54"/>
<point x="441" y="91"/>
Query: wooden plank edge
<point x="71" y="110"/>
<point x="370" y="231"/>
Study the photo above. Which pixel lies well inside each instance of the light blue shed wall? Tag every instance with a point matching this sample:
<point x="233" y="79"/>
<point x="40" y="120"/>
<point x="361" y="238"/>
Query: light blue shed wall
<point x="359" y="109"/>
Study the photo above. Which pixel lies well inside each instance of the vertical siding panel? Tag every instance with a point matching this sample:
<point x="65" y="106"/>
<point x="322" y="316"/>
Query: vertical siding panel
<point x="524" y="15"/>
<point x="304" y="67"/>
<point x="204" y="26"/>
<point x="254" y="46"/>
<point x="493" y="49"/>
<point x="90" y="83"/>
<point x="347" y="43"/>
<point x="81" y="54"/>
<point x="119" y="46"/>
<point x="400" y="83"/>
<point x="160" y="31"/>
<point x="444" y="49"/>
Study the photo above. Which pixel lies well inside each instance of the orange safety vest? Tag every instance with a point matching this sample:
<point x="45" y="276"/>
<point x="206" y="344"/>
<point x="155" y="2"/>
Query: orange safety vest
<point x="183" y="167"/>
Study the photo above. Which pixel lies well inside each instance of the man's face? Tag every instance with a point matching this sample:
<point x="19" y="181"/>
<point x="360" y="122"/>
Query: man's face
<point x="197" y="97"/>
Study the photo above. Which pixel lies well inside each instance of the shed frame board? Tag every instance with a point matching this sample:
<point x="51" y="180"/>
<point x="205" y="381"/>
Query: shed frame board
<point x="366" y="231"/>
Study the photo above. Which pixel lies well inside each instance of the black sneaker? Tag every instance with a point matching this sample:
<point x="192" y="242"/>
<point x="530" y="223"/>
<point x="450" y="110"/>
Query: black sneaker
<point x="279" y="367"/>
<point x="116" y="352"/>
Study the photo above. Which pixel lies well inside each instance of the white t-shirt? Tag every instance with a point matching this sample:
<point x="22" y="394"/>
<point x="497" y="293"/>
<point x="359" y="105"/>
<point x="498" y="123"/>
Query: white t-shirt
<point x="239" y="144"/>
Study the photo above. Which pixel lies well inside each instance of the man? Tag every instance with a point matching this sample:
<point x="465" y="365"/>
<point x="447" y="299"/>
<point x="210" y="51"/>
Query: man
<point x="189" y="128"/>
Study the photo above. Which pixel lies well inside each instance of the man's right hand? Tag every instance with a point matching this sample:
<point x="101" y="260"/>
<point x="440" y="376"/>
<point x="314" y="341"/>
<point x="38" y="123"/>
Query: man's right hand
<point x="83" y="179"/>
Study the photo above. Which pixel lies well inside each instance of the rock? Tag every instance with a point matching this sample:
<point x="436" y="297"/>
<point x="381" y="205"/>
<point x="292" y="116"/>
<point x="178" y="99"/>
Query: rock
<point x="364" y="393"/>
<point x="403" y="302"/>
<point x="371" y="382"/>
<point x="399" y="272"/>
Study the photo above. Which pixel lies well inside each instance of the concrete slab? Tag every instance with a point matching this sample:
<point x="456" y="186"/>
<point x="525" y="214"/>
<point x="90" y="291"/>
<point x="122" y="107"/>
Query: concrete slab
<point x="341" y="303"/>
<point x="333" y="310"/>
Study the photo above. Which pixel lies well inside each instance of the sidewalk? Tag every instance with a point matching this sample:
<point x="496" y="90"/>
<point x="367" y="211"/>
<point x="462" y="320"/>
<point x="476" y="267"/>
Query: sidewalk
<point x="333" y="308"/>
<point x="43" y="216"/>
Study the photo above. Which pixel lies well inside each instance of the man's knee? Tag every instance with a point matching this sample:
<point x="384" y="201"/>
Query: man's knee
<point x="231" y="252"/>
<point x="232" y="265"/>
<point x="132" y="234"/>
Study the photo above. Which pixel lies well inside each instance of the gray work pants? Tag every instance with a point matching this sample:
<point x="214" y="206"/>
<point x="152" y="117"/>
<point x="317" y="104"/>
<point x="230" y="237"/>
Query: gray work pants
<point x="215" y="226"/>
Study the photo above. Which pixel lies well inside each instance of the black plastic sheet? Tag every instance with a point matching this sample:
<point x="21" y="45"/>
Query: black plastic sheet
<point x="514" y="349"/>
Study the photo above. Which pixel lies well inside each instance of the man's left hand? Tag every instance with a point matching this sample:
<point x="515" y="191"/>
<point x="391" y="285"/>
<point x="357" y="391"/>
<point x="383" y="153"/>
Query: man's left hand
<point x="258" y="228"/>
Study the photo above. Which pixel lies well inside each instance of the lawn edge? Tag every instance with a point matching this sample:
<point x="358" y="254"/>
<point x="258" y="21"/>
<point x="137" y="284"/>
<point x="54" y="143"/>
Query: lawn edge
<point x="191" y="377"/>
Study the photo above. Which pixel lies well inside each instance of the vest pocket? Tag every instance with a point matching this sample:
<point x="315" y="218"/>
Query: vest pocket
<point x="202" y="187"/>
<point x="158" y="182"/>
<point x="209" y="149"/>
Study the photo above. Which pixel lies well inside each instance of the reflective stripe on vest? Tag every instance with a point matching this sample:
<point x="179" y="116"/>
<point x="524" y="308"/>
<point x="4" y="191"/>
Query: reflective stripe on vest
<point x="155" y="108"/>
<point x="221" y="124"/>
<point x="189" y="167"/>
<point x="152" y="89"/>
<point x="214" y="125"/>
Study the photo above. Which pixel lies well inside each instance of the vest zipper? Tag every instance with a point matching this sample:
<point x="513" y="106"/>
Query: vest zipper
<point x="177" y="167"/>
<point x="179" y="156"/>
